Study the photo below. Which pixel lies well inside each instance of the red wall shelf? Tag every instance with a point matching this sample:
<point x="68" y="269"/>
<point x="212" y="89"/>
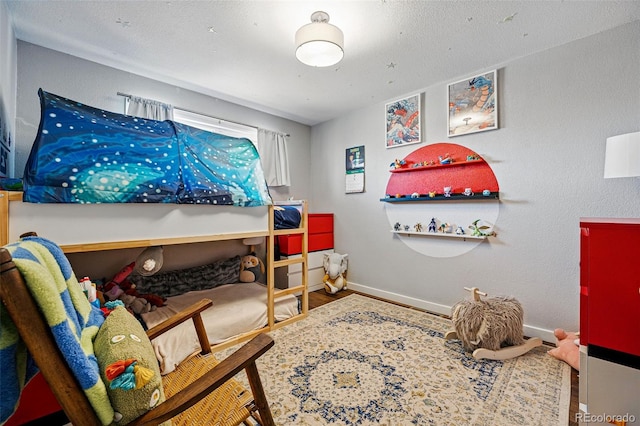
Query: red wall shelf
<point x="459" y="175"/>
<point x="436" y="166"/>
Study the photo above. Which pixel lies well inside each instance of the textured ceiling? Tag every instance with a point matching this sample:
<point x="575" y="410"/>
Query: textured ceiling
<point x="243" y="51"/>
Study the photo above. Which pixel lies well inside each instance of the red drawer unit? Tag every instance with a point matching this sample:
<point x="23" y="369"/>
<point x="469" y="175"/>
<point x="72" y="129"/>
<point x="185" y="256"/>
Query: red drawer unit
<point x="320" y="235"/>
<point x="36" y="402"/>
<point x="610" y="284"/>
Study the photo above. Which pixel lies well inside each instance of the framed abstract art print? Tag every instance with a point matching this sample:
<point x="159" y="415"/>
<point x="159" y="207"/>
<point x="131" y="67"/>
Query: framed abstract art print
<point x="473" y="104"/>
<point x="403" y="122"/>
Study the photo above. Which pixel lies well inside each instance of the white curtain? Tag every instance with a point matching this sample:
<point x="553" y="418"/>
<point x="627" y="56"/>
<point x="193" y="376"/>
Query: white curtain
<point x="272" y="147"/>
<point x="147" y="108"/>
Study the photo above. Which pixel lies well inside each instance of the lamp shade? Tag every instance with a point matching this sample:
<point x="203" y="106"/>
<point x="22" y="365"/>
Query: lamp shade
<point x="319" y="44"/>
<point x="622" y="156"/>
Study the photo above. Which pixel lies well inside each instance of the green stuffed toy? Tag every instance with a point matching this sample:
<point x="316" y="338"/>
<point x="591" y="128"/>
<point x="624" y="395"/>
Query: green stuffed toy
<point x="128" y="366"/>
<point x="251" y="268"/>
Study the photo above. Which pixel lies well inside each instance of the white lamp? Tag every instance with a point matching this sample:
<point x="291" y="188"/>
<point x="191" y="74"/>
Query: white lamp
<point x="622" y="156"/>
<point x="319" y="44"/>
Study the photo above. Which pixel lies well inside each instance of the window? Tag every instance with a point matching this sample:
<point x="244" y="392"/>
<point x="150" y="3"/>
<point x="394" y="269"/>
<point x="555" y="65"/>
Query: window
<point x="216" y="125"/>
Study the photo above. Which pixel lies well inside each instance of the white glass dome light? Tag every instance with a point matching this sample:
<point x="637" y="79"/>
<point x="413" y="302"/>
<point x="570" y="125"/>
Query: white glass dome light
<point x="319" y="44"/>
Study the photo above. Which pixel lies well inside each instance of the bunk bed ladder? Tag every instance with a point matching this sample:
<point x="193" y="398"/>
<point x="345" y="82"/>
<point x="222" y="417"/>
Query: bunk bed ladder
<point x="301" y="290"/>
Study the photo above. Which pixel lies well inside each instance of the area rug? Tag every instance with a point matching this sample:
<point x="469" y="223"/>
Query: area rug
<point x="361" y="361"/>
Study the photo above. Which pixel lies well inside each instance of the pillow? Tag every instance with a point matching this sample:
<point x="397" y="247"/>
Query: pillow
<point x="128" y="366"/>
<point x="174" y="283"/>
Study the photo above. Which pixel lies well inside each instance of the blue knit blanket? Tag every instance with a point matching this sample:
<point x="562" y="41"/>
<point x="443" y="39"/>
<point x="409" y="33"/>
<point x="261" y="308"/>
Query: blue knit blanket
<point x="73" y="320"/>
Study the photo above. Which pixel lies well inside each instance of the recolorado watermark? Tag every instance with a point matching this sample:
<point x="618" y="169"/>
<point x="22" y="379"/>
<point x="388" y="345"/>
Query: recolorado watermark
<point x="605" y="418"/>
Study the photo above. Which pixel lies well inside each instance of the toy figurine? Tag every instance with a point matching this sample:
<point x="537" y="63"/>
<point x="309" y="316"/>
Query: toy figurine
<point x="481" y="231"/>
<point x="432" y="194"/>
<point x="396" y="226"/>
<point x="406" y="228"/>
<point x="397" y="164"/>
<point x="446" y="159"/>
<point x="446" y="228"/>
<point x="460" y="231"/>
<point x="415" y="195"/>
<point x="447" y="191"/>
<point x="418" y="227"/>
<point x="432" y="225"/>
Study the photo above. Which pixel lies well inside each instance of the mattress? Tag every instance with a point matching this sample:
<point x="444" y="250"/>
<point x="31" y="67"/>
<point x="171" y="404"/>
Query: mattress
<point x="237" y="308"/>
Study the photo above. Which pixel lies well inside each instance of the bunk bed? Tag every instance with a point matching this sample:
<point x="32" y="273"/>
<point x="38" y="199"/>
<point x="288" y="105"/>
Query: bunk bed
<point x="87" y="228"/>
<point x="98" y="181"/>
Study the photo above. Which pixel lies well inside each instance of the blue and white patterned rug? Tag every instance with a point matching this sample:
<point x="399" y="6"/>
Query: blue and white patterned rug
<point x="361" y="361"/>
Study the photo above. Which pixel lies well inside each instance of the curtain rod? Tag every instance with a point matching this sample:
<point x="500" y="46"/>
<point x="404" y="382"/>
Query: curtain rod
<point x="126" y="95"/>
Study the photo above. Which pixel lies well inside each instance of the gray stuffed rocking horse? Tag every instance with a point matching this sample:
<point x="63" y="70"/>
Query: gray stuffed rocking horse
<point x="490" y="327"/>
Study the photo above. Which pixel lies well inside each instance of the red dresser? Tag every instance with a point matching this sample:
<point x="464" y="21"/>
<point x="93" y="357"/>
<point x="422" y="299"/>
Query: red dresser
<point x="320" y="235"/>
<point x="609" y="321"/>
<point x="610" y="284"/>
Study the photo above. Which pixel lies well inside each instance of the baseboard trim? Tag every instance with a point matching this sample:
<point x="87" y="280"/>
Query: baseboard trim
<point x="529" y="331"/>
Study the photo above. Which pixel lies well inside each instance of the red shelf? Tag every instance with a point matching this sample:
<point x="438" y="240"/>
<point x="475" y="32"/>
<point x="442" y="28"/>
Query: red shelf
<point x="436" y="166"/>
<point x="425" y="179"/>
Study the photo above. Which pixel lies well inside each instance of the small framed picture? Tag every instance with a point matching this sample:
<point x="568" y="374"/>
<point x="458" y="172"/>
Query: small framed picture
<point x="403" y="119"/>
<point x="473" y="104"/>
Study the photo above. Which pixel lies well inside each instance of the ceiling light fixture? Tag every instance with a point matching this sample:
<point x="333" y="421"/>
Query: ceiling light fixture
<point x="319" y="44"/>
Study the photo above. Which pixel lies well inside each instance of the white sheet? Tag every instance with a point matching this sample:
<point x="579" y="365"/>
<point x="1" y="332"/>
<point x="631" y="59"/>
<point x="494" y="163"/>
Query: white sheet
<point x="237" y="308"/>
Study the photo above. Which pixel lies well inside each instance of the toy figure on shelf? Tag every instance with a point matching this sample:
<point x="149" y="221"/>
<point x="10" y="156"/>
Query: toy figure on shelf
<point x="447" y="191"/>
<point x="446" y="228"/>
<point x="397" y="226"/>
<point x="481" y="230"/>
<point x="432" y="225"/>
<point x="406" y="228"/>
<point x="397" y="164"/>
<point x="446" y="159"/>
<point x="432" y="194"/>
<point x="415" y="195"/>
<point x="460" y="231"/>
<point x="418" y="227"/>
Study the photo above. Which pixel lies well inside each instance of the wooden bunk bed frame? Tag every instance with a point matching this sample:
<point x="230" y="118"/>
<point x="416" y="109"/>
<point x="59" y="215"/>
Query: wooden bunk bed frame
<point x="12" y="201"/>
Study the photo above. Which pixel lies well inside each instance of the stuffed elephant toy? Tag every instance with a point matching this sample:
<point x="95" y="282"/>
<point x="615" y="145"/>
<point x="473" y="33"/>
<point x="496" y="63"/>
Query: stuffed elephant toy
<point x="335" y="268"/>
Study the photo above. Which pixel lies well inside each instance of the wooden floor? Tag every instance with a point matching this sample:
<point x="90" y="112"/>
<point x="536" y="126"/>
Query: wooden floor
<point x="320" y="297"/>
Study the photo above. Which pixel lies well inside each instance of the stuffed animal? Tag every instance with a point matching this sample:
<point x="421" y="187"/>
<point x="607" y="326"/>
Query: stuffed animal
<point x="251" y="268"/>
<point x="335" y="268"/>
<point x="120" y="285"/>
<point x="128" y="366"/>
<point x="566" y="349"/>
<point x="490" y="323"/>
<point x="137" y="305"/>
<point x="114" y="288"/>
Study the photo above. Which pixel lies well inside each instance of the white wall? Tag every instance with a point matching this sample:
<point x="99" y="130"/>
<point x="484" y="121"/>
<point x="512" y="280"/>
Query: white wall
<point x="97" y="85"/>
<point x="8" y="78"/>
<point x="557" y="108"/>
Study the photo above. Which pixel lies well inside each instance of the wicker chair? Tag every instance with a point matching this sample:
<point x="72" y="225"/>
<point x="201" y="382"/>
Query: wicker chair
<point x="213" y="398"/>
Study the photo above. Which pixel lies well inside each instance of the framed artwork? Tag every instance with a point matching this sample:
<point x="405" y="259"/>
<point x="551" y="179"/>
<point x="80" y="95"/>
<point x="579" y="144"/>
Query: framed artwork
<point x="473" y="104"/>
<point x="403" y="122"/>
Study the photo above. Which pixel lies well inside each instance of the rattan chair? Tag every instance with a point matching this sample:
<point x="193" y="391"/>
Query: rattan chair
<point x="214" y="397"/>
